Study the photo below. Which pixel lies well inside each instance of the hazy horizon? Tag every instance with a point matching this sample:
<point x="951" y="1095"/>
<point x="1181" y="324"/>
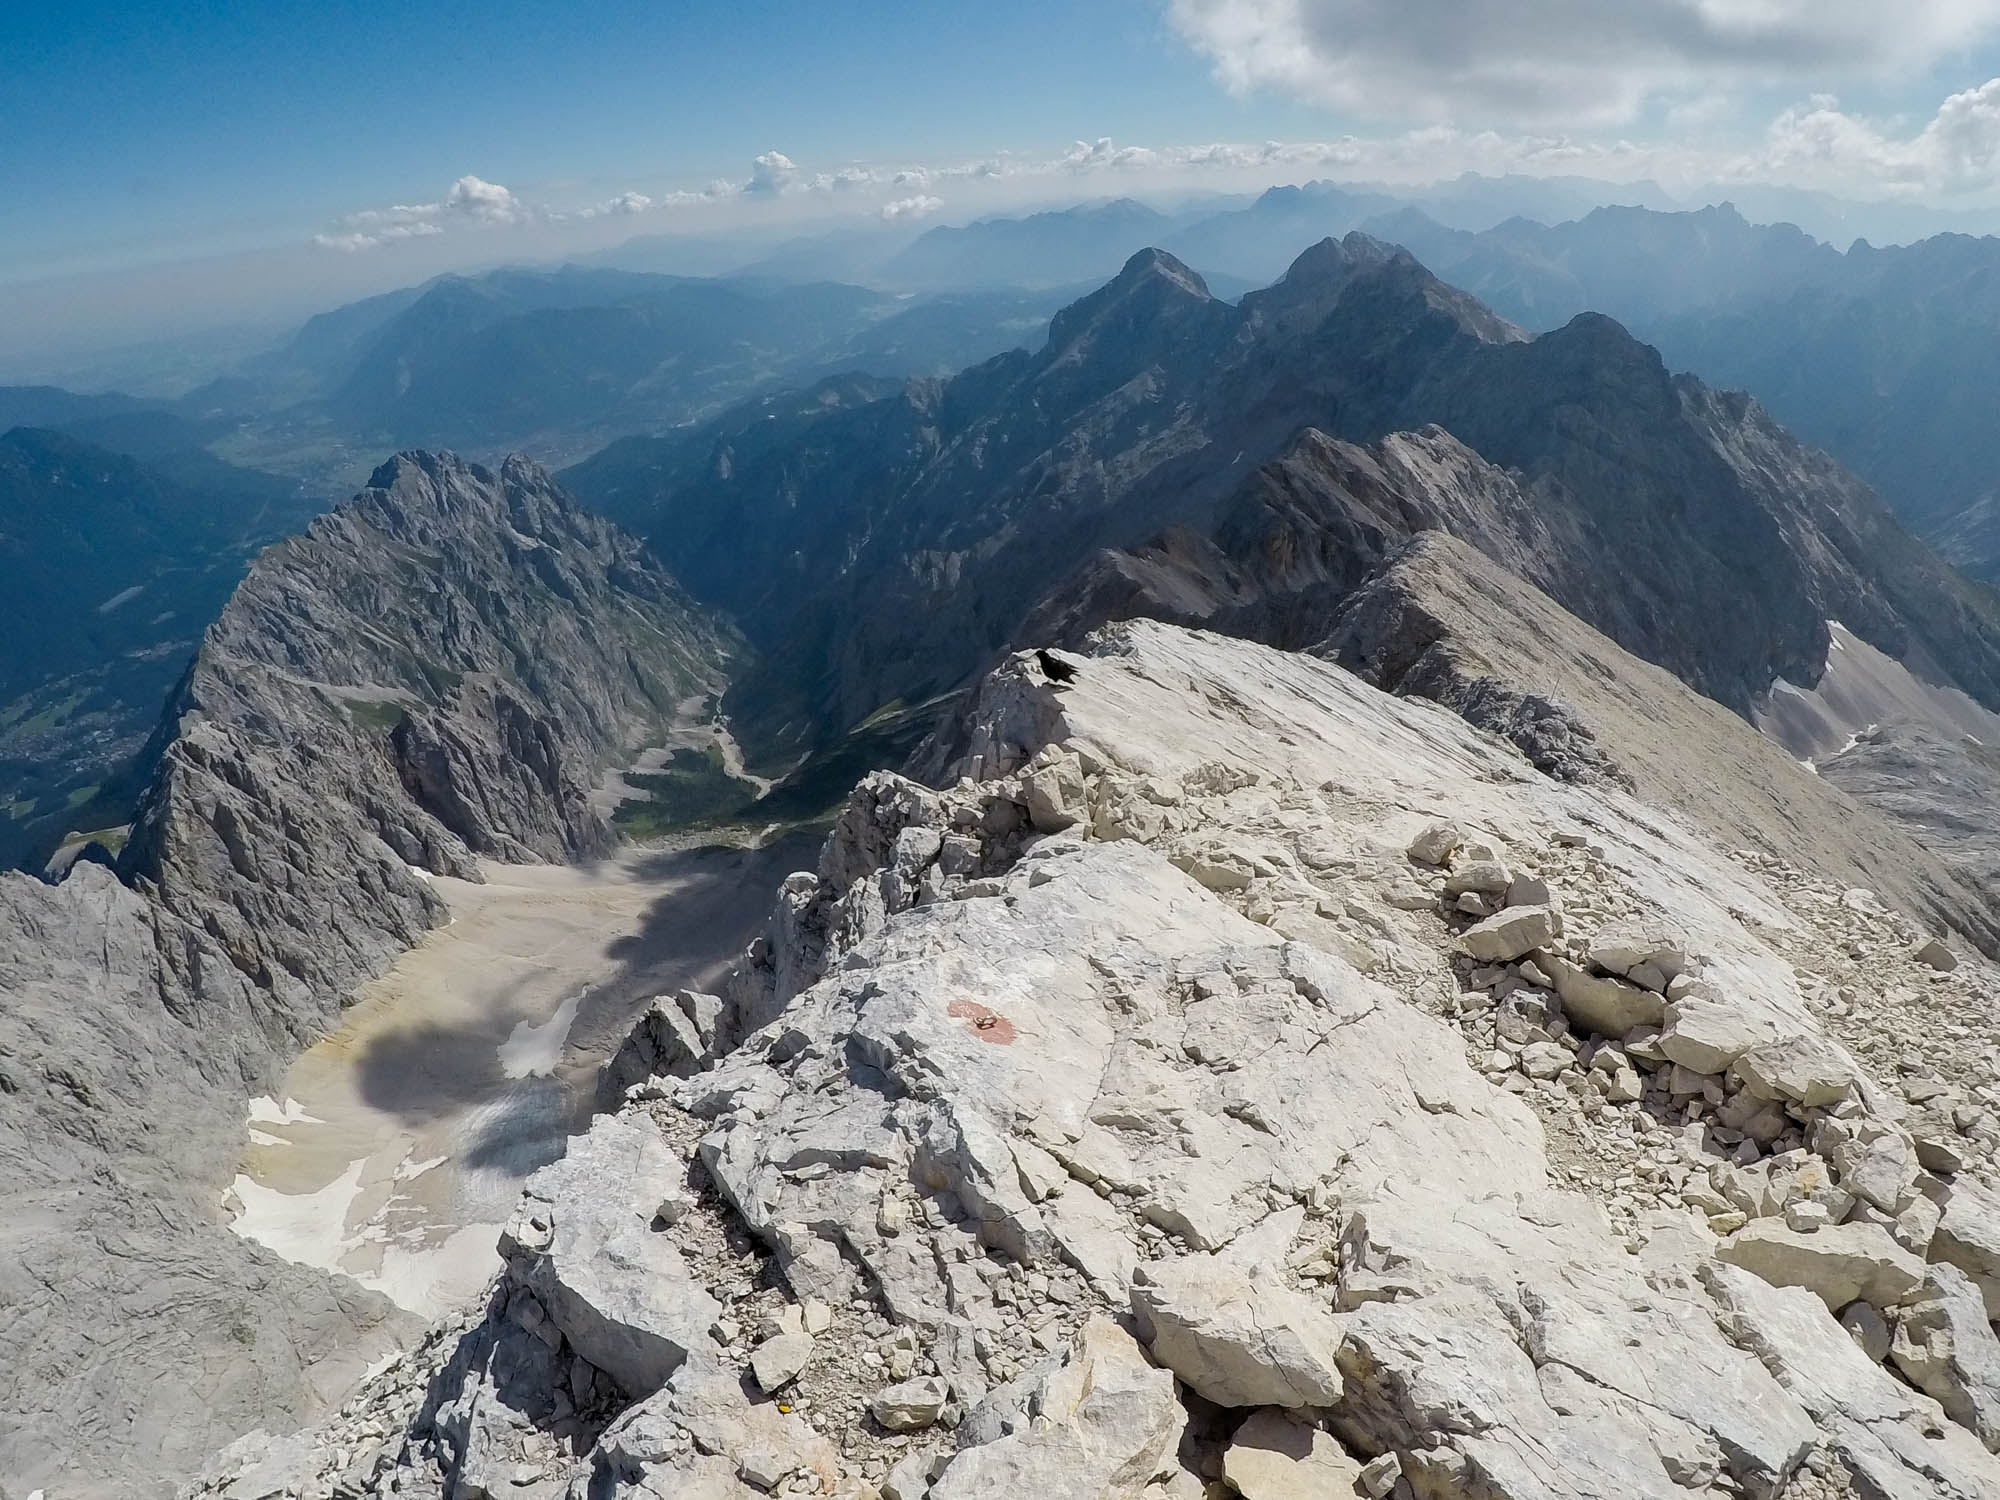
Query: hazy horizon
<point x="220" y="176"/>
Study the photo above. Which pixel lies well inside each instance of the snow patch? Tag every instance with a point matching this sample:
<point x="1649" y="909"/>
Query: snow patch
<point x="309" y="1229"/>
<point x="532" y="1051"/>
<point x="435" y="1278"/>
<point x="264" y="1110"/>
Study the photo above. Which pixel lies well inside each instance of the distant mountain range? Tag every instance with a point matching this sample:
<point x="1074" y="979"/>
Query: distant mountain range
<point x="1881" y="356"/>
<point x="877" y="547"/>
<point x="763" y="428"/>
<point x="1887" y="358"/>
<point x="1884" y="357"/>
<point x="559" y="362"/>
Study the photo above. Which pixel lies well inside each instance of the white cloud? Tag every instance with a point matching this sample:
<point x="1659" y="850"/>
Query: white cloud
<point x="1579" y="62"/>
<point x="485" y="202"/>
<point x="1957" y="153"/>
<point x="772" y="173"/>
<point x="1952" y="159"/>
<point x="624" y="203"/>
<point x="470" y="200"/>
<point x="922" y="206"/>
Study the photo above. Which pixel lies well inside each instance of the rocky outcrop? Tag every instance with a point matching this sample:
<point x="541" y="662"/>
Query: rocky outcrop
<point x="432" y="674"/>
<point x="1207" y="1063"/>
<point x="1948" y="1350"/>
<point x="1442" y="620"/>
<point x="140" y="1332"/>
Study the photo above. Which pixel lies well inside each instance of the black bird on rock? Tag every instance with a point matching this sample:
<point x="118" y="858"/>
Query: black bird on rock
<point x="1054" y="669"/>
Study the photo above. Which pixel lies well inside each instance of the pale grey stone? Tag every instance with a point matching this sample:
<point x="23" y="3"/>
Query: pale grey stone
<point x="1274" y="1455"/>
<point x="1513" y="933"/>
<point x="1935" y="954"/>
<point x="1892" y="1437"/>
<point x="1107" y="1424"/>
<point x="1622" y="946"/>
<point x="582" y="1241"/>
<point x="1806" y="1070"/>
<point x="1968" y="1236"/>
<point x="911" y="1405"/>
<point x="1840" y="1264"/>
<point x="1436" y="843"/>
<point x="1236" y="1338"/>
<point x="1708" y="1035"/>
<point x="781" y="1359"/>
<point x="1946" y="1347"/>
<point x="1609" y="1007"/>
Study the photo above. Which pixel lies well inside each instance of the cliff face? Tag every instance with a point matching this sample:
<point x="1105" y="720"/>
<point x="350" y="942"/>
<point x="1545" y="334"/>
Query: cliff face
<point x="435" y="672"/>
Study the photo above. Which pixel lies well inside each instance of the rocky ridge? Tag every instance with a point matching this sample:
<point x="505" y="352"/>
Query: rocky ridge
<point x="1241" y="1081"/>
<point x="1414" y="563"/>
<point x="432" y="674"/>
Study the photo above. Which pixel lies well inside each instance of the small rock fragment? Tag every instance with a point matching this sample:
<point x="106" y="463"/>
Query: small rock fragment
<point x="911" y="1405"/>
<point x="778" y="1361"/>
<point x="1435" y="844"/>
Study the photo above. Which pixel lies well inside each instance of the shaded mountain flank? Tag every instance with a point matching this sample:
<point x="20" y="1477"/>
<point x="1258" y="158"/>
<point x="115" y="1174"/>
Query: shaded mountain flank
<point x="1884" y="356"/>
<point x="879" y="550"/>
<point x="114" y="564"/>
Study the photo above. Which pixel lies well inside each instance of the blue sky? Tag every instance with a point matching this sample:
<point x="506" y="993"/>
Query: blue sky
<point x="206" y="125"/>
<point x="216" y="159"/>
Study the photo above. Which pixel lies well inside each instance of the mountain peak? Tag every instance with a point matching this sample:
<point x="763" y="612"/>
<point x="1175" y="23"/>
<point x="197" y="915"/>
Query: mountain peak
<point x="1338" y="259"/>
<point x="1153" y="286"/>
<point x="1153" y="261"/>
<point x="421" y="466"/>
<point x="1320" y="277"/>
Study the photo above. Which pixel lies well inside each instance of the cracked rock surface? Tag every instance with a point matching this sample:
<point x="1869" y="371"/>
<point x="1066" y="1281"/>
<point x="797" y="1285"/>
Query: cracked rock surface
<point x="1134" y="1110"/>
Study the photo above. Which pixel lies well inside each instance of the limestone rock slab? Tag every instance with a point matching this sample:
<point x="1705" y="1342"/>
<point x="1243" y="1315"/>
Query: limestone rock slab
<point x="582" y="1241"/>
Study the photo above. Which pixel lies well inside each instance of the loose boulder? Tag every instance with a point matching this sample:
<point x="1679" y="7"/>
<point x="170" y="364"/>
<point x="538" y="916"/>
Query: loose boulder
<point x="1803" y="1070"/>
<point x="910" y="1405"/>
<point x="1840" y="1264"/>
<point x="1609" y="1007"/>
<point x="1276" y="1456"/>
<point x="1948" y="1350"/>
<point x="1706" y="1036"/>
<point x="582" y="1241"/>
<point x="1235" y="1338"/>
<point x="1968" y="1236"/>
<point x="1514" y="933"/>
<point x="1108" y="1423"/>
